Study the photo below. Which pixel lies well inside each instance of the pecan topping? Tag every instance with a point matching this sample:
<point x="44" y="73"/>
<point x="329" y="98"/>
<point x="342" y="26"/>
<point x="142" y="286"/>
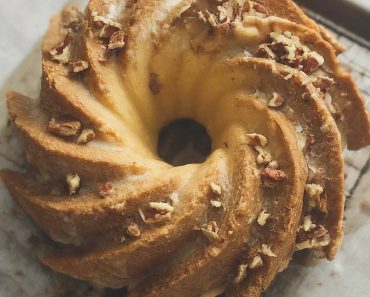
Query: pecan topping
<point x="104" y="27"/>
<point x="216" y="203"/>
<point x="117" y="40"/>
<point x="216" y="189"/>
<point x="242" y="273"/>
<point x="315" y="236"/>
<point x="263" y="157"/>
<point x="86" y="136"/>
<point x="266" y="250"/>
<point x="157" y="212"/>
<point x="133" y="229"/>
<point x="73" y="182"/>
<point x="208" y="18"/>
<point x="287" y="49"/>
<point x="273" y="165"/>
<point x="262" y="218"/>
<point x="276" y="101"/>
<point x="323" y="83"/>
<point x="255" y="139"/>
<point x="256" y="262"/>
<point x="106" y="189"/>
<point x="272" y="177"/>
<point x="64" y="126"/>
<point x="174" y="197"/>
<point x="78" y="66"/>
<point x="211" y="231"/>
<point x="313" y="192"/>
<point x="253" y="263"/>
<point x="62" y="52"/>
<point x="309" y="64"/>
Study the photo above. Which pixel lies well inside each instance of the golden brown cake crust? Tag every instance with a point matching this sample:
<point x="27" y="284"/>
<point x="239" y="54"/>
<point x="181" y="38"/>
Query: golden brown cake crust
<point x="264" y="81"/>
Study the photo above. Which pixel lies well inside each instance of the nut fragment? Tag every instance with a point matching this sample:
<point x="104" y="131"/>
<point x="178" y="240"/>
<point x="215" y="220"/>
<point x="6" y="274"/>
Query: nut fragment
<point x="117" y="40"/>
<point x="255" y="139"/>
<point x="73" y="183"/>
<point x="287" y="49"/>
<point x="315" y="238"/>
<point x="86" y="136"/>
<point x="266" y="250"/>
<point x="104" y="27"/>
<point x="256" y="262"/>
<point x="273" y="164"/>
<point x="242" y="273"/>
<point x="106" y="189"/>
<point x="216" y="189"/>
<point x="62" y="52"/>
<point x="262" y="218"/>
<point x="313" y="192"/>
<point x="64" y="126"/>
<point x="263" y="157"/>
<point x="272" y="177"/>
<point x="211" y="231"/>
<point x="157" y="212"/>
<point x="276" y="101"/>
<point x="307" y="223"/>
<point x="133" y="229"/>
<point x="216" y="203"/>
<point x="174" y="197"/>
<point x="208" y="18"/>
<point x="78" y="66"/>
<point x="161" y="206"/>
<point x="323" y="83"/>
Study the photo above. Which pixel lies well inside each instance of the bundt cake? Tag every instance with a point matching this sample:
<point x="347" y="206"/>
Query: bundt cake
<point x="185" y="147"/>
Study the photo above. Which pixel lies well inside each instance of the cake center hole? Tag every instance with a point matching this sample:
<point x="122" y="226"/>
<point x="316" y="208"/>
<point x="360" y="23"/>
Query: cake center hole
<point x="184" y="141"/>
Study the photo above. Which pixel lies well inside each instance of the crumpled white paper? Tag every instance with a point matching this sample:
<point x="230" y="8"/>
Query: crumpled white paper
<point x="22" y="275"/>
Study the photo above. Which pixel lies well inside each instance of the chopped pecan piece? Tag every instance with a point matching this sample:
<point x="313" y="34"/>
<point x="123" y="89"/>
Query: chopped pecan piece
<point x="262" y="218"/>
<point x="78" y="66"/>
<point x="62" y="52"/>
<point x="309" y="64"/>
<point x="64" y="126"/>
<point x="216" y="203"/>
<point x="216" y="189"/>
<point x="323" y="83"/>
<point x="73" y="182"/>
<point x="313" y="192"/>
<point x="174" y="197"/>
<point x="263" y="157"/>
<point x="106" y="189"/>
<point x="86" y="136"/>
<point x="255" y="139"/>
<point x="272" y="177"/>
<point x="117" y="40"/>
<point x="316" y="237"/>
<point x="242" y="273"/>
<point x="157" y="212"/>
<point x="273" y="165"/>
<point x="277" y="101"/>
<point x="266" y="250"/>
<point x="211" y="231"/>
<point x="133" y="229"/>
<point x="104" y="27"/>
<point x="256" y="262"/>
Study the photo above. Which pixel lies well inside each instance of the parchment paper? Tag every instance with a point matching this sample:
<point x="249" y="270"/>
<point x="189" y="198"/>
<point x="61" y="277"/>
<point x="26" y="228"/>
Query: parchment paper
<point x="21" y="274"/>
